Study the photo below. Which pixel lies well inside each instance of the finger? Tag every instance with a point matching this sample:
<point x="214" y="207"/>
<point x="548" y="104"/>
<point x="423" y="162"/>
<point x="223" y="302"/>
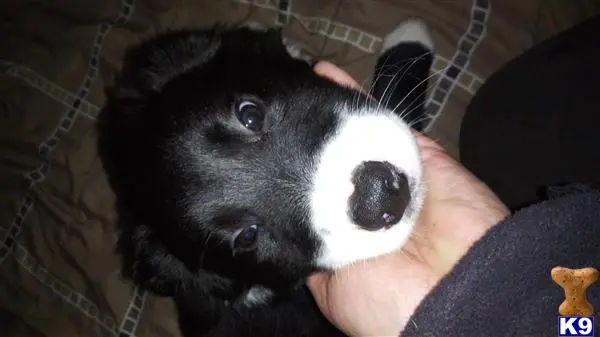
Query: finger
<point x="317" y="283"/>
<point x="424" y="141"/>
<point x="318" y="286"/>
<point x="334" y="73"/>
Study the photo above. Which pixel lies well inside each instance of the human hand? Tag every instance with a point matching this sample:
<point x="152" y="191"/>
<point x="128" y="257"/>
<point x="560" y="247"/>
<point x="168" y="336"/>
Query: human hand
<point x="377" y="297"/>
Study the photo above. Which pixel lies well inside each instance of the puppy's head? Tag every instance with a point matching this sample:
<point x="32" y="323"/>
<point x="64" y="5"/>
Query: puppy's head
<point x="230" y="157"/>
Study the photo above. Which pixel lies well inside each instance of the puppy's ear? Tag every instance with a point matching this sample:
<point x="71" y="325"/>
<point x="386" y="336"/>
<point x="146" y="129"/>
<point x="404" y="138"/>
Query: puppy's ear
<point x="275" y="32"/>
<point x="152" y="64"/>
<point x="146" y="69"/>
<point x="150" y="264"/>
<point x="275" y="37"/>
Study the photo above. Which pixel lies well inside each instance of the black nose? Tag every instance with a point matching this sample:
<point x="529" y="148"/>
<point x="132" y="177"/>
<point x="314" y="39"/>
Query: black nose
<point x="381" y="195"/>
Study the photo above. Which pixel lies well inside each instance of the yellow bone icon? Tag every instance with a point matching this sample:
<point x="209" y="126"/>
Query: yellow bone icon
<point x="575" y="283"/>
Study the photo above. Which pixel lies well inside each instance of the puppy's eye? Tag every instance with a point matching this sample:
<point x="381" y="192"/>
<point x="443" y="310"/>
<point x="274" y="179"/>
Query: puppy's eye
<point x="246" y="239"/>
<point x="251" y="115"/>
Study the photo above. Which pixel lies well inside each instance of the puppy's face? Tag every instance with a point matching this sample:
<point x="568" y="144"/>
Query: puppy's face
<point x="247" y="164"/>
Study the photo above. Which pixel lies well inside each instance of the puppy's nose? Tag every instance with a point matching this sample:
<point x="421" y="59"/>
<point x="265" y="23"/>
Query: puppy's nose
<point x="381" y="195"/>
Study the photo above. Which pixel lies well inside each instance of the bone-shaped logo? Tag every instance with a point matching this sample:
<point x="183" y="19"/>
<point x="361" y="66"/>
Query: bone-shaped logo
<point x="575" y="283"/>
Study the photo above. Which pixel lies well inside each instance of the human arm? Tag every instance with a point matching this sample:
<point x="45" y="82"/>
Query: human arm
<point x="463" y="221"/>
<point x="502" y="286"/>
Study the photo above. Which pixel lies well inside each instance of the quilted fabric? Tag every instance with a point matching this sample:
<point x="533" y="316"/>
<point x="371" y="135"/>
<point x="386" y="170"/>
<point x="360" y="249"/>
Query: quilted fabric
<point x="59" y="275"/>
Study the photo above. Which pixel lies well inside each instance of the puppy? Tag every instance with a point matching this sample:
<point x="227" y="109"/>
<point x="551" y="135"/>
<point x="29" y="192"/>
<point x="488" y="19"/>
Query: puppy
<point x="239" y="172"/>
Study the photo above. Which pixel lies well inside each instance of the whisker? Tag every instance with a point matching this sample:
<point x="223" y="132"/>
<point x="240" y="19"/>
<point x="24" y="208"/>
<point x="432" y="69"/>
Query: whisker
<point x="359" y="94"/>
<point x="412" y="320"/>
<point x="203" y="253"/>
<point x="381" y="71"/>
<point x="415" y="87"/>
<point x="382" y="74"/>
<point x="383" y="95"/>
<point x="378" y="77"/>
<point x="418" y="120"/>
<point x="407" y="112"/>
<point x="416" y="59"/>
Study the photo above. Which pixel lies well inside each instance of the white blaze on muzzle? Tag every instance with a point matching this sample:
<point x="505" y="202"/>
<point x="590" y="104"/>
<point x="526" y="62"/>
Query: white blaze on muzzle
<point x="363" y="136"/>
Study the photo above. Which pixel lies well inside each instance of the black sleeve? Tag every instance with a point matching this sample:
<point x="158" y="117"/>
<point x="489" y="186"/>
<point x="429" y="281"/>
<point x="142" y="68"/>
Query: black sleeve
<point x="503" y="287"/>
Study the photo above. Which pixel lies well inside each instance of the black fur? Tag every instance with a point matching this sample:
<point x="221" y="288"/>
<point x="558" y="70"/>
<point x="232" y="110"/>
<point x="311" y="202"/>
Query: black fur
<point x="402" y="73"/>
<point x="187" y="176"/>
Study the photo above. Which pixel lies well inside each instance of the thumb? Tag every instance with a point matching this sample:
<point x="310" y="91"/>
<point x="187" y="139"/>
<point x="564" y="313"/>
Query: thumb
<point x="334" y="73"/>
<point x="318" y="284"/>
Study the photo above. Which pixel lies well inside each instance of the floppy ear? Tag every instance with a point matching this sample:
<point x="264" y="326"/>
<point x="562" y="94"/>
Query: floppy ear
<point x="124" y="121"/>
<point x="275" y="33"/>
<point x="148" y="263"/>
<point x="123" y="130"/>
<point x="147" y="67"/>
<point x="153" y="63"/>
<point x="276" y="40"/>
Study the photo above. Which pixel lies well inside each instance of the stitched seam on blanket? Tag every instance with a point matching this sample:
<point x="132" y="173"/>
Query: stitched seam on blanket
<point x="9" y="245"/>
<point x="66" y="293"/>
<point x="49" y="88"/>
<point x="131" y="318"/>
<point x="64" y="126"/>
<point x="282" y="16"/>
<point x="441" y="63"/>
<point x="86" y="109"/>
<point x="480" y="11"/>
<point x="364" y="41"/>
<point x="90" y="110"/>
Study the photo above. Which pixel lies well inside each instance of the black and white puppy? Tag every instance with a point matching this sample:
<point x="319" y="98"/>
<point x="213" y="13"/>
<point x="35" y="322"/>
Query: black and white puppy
<point x="239" y="172"/>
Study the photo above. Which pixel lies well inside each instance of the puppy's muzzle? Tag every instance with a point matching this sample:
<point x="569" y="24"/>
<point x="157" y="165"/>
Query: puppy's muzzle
<point x="381" y="195"/>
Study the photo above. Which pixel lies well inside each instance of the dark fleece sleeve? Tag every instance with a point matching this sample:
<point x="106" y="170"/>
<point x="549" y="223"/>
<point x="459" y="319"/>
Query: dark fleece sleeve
<point x="503" y="287"/>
